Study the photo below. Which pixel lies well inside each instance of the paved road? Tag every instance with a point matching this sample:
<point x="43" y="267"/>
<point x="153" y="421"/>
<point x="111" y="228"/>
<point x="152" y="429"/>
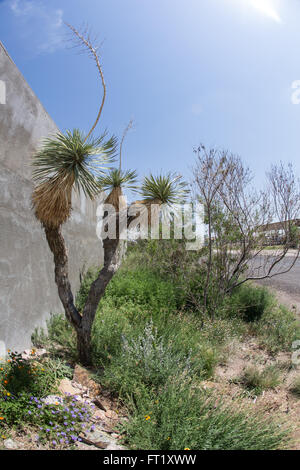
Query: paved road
<point x="287" y="286"/>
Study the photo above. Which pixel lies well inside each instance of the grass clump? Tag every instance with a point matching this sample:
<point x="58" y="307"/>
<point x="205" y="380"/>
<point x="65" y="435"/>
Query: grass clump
<point x="257" y="381"/>
<point x="144" y="288"/>
<point x="183" y="416"/>
<point x="277" y="329"/>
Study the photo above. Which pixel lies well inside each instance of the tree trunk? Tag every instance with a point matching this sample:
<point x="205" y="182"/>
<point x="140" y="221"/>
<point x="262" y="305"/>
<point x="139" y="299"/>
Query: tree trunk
<point x="113" y="254"/>
<point x="84" y="347"/>
<point x="57" y="245"/>
<point x="112" y="260"/>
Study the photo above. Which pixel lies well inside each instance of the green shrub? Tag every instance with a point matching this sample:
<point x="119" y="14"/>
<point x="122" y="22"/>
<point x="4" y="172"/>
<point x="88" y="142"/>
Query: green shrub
<point x="182" y="417"/>
<point x="109" y="325"/>
<point x="144" y="288"/>
<point x="277" y="329"/>
<point x="146" y="361"/>
<point x="19" y="375"/>
<point x="257" y="381"/>
<point x="38" y="377"/>
<point x="85" y="286"/>
<point x="250" y="302"/>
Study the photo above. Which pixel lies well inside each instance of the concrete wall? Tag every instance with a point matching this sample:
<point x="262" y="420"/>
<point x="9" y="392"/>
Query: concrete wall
<point x="27" y="290"/>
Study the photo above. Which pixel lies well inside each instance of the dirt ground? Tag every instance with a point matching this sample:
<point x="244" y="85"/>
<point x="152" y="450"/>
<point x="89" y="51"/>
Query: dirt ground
<point x="278" y="402"/>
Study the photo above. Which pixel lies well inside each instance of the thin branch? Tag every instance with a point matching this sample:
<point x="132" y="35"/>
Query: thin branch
<point x="85" y="40"/>
<point x="129" y="126"/>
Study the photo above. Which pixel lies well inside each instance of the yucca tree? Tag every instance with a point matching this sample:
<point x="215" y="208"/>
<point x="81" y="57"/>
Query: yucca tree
<point x="63" y="163"/>
<point x="114" y="182"/>
<point x="166" y="189"/>
<point x="75" y="161"/>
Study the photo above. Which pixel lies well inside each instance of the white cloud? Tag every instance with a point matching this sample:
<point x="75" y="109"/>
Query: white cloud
<point x="41" y="25"/>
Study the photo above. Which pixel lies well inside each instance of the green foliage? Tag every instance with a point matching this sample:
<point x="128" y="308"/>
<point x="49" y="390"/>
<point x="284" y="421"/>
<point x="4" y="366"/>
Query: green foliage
<point x="169" y="189"/>
<point x="153" y="350"/>
<point x="182" y="417"/>
<point x="88" y="279"/>
<point x="251" y="302"/>
<point x="116" y="178"/>
<point x="71" y="155"/>
<point x="144" y="288"/>
<point x="18" y="375"/>
<point x="257" y="381"/>
<point x="277" y="329"/>
<point x="23" y="385"/>
<point x="149" y="361"/>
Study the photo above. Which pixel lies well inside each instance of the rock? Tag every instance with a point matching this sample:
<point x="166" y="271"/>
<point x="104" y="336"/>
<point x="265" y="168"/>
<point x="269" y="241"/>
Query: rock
<point x="66" y="388"/>
<point x="10" y="444"/>
<point x="52" y="400"/>
<point x="40" y="352"/>
<point x="99" y="414"/>
<point x="83" y="446"/>
<point x="100" y="404"/>
<point x="83" y="377"/>
<point x="33" y="353"/>
<point x="97" y="438"/>
<point x="111" y="414"/>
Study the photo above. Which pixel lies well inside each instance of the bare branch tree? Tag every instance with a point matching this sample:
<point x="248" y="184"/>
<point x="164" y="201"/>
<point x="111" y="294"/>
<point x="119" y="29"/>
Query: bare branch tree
<point x="239" y="218"/>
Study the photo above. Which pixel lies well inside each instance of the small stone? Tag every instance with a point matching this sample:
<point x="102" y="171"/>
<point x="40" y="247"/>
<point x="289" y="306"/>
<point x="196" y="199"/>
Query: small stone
<point x="10" y="444"/>
<point x="83" y="376"/>
<point x="40" y="352"/>
<point x="99" y="414"/>
<point x="66" y="388"/>
<point x="111" y="414"/>
<point x="97" y="438"/>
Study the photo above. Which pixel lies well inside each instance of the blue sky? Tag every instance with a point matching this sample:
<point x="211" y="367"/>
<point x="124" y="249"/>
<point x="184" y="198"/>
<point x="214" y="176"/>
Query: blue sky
<point x="186" y="71"/>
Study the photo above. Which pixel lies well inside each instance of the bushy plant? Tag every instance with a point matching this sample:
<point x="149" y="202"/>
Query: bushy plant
<point x="20" y="375"/>
<point x="182" y="417"/>
<point x="58" y="424"/>
<point x="146" y="361"/>
<point x="143" y="287"/>
<point x="251" y="302"/>
<point x="277" y="329"/>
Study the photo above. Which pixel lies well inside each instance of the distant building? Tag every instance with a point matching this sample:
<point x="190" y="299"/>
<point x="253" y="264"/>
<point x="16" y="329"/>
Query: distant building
<point x="275" y="232"/>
